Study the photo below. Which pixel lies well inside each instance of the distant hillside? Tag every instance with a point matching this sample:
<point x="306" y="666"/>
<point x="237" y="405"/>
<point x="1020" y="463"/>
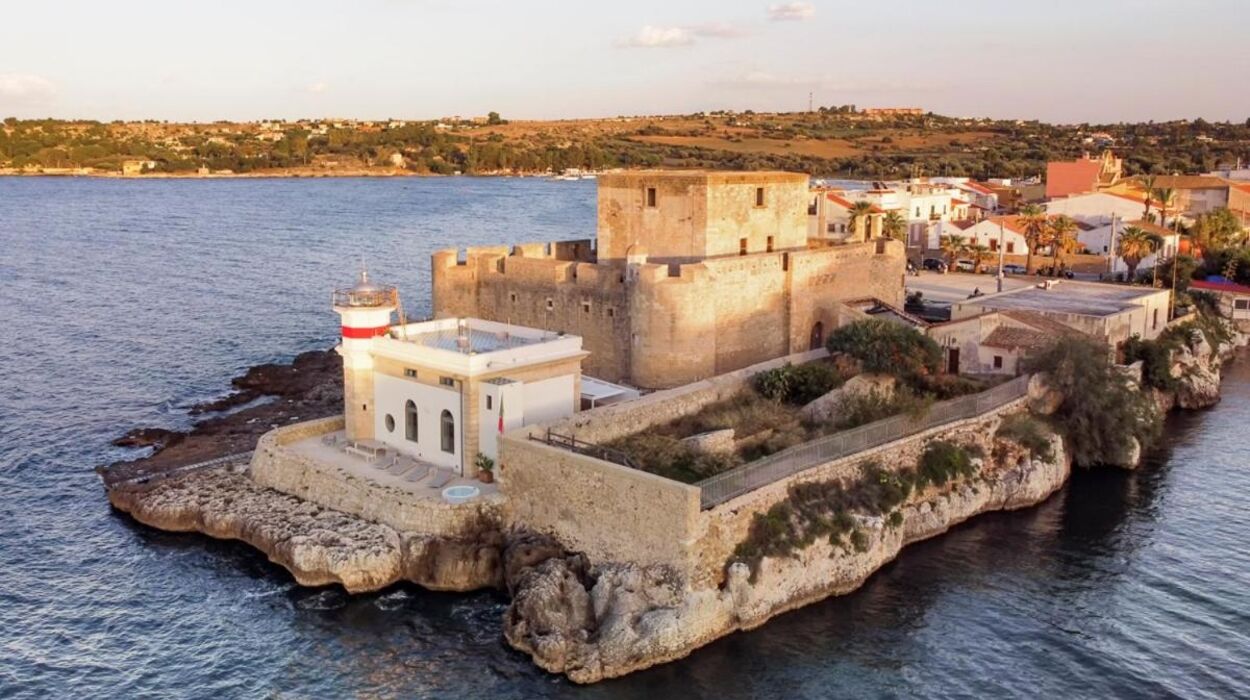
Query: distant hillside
<point x="828" y="142"/>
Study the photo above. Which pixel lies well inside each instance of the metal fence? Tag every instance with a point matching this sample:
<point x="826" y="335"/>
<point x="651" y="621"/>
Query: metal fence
<point x="726" y="485"/>
<point x="572" y="444"/>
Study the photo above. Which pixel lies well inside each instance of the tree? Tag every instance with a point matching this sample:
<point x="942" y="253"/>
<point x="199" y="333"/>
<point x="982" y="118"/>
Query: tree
<point x="1218" y="229"/>
<point x="1033" y="221"/>
<point x="885" y="347"/>
<point x="1062" y="238"/>
<point x="1102" y="411"/>
<point x="952" y="247"/>
<point x="493" y="118"/>
<point x="1148" y="182"/>
<point x="1166" y="197"/>
<point x="857" y="213"/>
<point x="1136" y="244"/>
<point x="893" y="226"/>
<point x="980" y="253"/>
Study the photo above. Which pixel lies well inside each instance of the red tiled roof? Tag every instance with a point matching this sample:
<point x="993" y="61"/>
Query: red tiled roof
<point x="957" y="202"/>
<point x="847" y="204"/>
<point x="1071" y="177"/>
<point x="977" y="187"/>
<point x="1220" y="286"/>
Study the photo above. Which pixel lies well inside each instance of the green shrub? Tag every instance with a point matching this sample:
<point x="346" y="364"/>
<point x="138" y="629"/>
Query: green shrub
<point x="862" y="408"/>
<point x="883" y="347"/>
<point x="943" y="462"/>
<point x="895" y="520"/>
<point x="1156" y="358"/>
<point x="797" y="384"/>
<point x="949" y="386"/>
<point x="1102" y="409"/>
<point x="669" y="457"/>
<point x="1028" y="432"/>
<point x="859" y="541"/>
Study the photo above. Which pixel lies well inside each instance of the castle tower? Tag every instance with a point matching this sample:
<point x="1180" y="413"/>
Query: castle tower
<point x="365" y="310"/>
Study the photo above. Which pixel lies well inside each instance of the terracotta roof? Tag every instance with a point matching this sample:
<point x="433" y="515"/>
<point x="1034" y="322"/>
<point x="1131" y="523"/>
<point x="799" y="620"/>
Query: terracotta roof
<point x="1220" y="286"/>
<point x="847" y="204"/>
<point x="1190" y="182"/>
<point x="957" y="202"/>
<point x="1041" y="322"/>
<point x="1151" y="227"/>
<point x="1017" y="338"/>
<point x="976" y="187"/>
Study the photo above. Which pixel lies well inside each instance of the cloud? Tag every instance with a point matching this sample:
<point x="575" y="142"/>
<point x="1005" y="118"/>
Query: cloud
<point x="650" y="37"/>
<point x="317" y="88"/>
<point x="26" y="90"/>
<point x="791" y="11"/>
<point x="718" y="30"/>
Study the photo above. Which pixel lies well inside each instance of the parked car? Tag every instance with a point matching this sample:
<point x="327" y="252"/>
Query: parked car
<point x="934" y="264"/>
<point x="965" y="265"/>
<point x="1063" y="272"/>
<point x="1014" y="269"/>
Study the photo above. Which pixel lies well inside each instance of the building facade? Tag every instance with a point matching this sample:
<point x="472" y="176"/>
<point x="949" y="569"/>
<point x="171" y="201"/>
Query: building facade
<point x="694" y="274"/>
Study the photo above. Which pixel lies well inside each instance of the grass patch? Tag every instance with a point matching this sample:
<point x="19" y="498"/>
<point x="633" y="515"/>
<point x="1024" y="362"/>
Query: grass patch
<point x="871" y="406"/>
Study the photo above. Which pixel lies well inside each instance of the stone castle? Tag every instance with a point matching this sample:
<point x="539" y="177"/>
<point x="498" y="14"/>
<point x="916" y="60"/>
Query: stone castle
<point x="693" y="274"/>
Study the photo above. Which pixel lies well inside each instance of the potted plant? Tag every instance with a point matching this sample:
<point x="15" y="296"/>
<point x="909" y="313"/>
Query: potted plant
<point x="485" y="468"/>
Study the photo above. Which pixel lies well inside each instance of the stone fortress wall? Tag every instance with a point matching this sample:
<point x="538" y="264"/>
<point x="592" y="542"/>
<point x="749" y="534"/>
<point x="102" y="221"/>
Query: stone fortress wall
<point x="661" y="325"/>
<point x="613" y="513"/>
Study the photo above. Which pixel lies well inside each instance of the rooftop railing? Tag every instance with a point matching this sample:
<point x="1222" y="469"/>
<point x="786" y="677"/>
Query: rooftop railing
<point x="350" y="296"/>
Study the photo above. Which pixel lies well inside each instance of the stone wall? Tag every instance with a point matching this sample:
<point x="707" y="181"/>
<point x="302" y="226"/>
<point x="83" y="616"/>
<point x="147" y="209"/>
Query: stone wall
<point x="606" y="511"/>
<point x="276" y="466"/>
<point x="723" y="527"/>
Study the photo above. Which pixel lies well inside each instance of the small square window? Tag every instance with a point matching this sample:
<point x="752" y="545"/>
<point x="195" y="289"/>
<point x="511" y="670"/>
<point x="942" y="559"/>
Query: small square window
<point x="512" y="297"/>
<point x="1241" y="304"/>
<point x="759" y="196"/>
<point x="490" y="402"/>
<point x="550" y="304"/>
<point x="611" y="312"/>
<point x="586" y="306"/>
<point x="770" y="244"/>
<point x="998" y="362"/>
<point x="446" y="381"/>
<point x="650" y="196"/>
<point x="742" y="246"/>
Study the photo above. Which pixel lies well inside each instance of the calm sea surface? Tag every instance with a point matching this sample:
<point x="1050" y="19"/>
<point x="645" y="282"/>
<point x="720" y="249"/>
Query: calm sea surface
<point x="126" y="302"/>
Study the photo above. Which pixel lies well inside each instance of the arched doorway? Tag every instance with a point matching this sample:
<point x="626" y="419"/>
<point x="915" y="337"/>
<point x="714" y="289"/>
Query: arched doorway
<point x="818" y="336"/>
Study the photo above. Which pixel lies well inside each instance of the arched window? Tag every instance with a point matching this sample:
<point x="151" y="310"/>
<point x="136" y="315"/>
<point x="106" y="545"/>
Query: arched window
<point x="410" y="420"/>
<point x="448" y="425"/>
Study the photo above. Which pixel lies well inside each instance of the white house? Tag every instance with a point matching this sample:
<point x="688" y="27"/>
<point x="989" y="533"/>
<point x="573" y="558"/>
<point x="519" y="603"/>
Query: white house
<point x="1103" y="240"/>
<point x="1098" y="208"/>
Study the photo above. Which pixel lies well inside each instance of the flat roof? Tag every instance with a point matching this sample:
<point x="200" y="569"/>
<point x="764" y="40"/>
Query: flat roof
<point x="1063" y="296"/>
<point x="472" y="336"/>
<point x="472" y="346"/>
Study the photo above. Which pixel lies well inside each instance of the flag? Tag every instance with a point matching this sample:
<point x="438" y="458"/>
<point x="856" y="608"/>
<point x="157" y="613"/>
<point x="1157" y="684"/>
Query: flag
<point x="501" y="415"/>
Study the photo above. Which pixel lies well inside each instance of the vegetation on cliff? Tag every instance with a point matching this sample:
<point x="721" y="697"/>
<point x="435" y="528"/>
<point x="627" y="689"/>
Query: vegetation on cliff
<point x="830" y="509"/>
<point x="1102" y="411"/>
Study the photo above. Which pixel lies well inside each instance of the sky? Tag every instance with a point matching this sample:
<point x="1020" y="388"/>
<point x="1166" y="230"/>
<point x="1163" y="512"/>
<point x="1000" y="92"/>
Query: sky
<point x="1065" y="61"/>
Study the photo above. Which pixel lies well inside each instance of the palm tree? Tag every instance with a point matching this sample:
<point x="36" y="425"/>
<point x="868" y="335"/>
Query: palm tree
<point x="859" y="210"/>
<point x="1062" y="238"/>
<point x="1136" y="244"/>
<point x="1147" y="181"/>
<point x="951" y="247"/>
<point x="893" y="226"/>
<point x="1032" y="219"/>
<point x="979" y="253"/>
<point x="1165" y="195"/>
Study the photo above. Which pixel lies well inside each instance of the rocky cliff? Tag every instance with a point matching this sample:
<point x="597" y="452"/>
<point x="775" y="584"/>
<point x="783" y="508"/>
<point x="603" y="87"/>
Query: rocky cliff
<point x="609" y="620"/>
<point x="319" y="546"/>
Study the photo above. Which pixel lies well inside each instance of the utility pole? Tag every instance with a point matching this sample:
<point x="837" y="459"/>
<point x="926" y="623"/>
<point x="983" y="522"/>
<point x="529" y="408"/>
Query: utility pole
<point x="809" y="101"/>
<point x="1113" y="254"/>
<point x="1001" y="250"/>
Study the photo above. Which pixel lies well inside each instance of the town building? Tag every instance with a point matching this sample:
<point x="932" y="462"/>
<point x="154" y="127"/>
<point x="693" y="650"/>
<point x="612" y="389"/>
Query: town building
<point x="1103" y="240"/>
<point x="1101" y="208"/>
<point x="693" y="274"/>
<point x="1083" y="175"/>
<point x="1108" y="312"/>
<point x="1234" y="299"/>
<point x="441" y="391"/>
<point x="994" y="342"/>
<point x="1195" y="194"/>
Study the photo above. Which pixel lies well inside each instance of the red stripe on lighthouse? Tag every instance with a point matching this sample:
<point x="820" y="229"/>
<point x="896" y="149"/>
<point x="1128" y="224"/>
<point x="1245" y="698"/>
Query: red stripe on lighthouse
<point x="364" y="332"/>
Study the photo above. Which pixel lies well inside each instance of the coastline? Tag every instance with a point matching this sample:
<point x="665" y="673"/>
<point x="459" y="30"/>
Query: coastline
<point x="310" y="173"/>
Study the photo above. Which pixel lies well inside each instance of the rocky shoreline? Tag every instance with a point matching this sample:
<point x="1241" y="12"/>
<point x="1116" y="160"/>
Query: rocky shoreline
<point x="588" y="622"/>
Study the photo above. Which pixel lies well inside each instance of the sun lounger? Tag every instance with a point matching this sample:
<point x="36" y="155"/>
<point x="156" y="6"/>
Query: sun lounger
<point x="418" y="473"/>
<point x="400" y="465"/>
<point x="440" y="478"/>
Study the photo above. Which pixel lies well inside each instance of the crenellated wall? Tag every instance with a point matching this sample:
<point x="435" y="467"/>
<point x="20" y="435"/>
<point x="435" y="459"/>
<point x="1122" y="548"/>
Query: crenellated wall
<point x="665" y="325"/>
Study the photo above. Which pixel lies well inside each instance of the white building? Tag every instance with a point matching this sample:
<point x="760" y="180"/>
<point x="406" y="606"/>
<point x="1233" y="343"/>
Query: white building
<point x="1098" y="208"/>
<point x="442" y="391"/>
<point x="1103" y="240"/>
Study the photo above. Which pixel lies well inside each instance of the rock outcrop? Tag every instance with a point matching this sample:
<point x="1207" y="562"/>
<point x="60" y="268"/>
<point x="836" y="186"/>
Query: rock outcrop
<point x="319" y="546"/>
<point x="825" y="409"/>
<point x="619" y="617"/>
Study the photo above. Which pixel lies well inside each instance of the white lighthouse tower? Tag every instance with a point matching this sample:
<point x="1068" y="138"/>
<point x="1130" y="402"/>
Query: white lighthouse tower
<point x="365" y="310"/>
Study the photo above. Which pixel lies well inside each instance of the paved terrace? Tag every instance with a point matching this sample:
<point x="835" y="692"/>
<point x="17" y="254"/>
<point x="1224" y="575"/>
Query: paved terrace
<point x="315" y="449"/>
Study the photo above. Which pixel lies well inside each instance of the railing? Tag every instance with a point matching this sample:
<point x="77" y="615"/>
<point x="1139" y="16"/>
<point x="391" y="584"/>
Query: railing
<point x="726" y="485"/>
<point x="153" y="477"/>
<point x="568" y="442"/>
<point x="383" y="296"/>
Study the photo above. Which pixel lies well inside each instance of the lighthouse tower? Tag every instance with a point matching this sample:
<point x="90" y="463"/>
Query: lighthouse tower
<point x="365" y="310"/>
